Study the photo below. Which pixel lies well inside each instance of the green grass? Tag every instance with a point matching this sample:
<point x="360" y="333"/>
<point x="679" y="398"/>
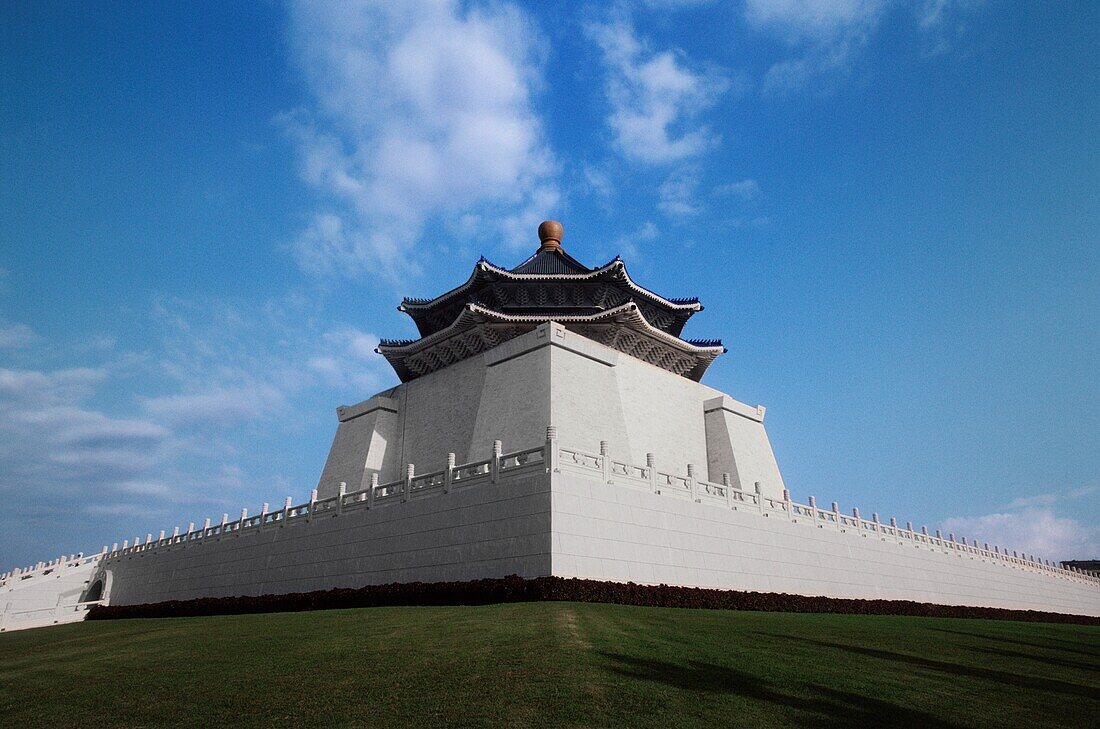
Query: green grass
<point x="556" y="664"/>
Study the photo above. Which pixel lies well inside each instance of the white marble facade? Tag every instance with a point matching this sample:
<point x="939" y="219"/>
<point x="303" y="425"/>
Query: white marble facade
<point x="648" y="477"/>
<point x="592" y="393"/>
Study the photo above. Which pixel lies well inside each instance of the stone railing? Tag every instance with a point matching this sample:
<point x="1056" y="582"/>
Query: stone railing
<point x="36" y="617"/>
<point x="601" y="466"/>
<point x="605" y="468"/>
<point x="52" y="568"/>
<point x="501" y="466"/>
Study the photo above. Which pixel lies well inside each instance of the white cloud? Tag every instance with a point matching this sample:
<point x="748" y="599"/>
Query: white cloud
<point x="629" y="244"/>
<point x="817" y="20"/>
<point x="421" y="110"/>
<point x="49" y="388"/>
<point x="1052" y="498"/>
<point x="654" y="97"/>
<point x="53" y="444"/>
<point x="677" y="194"/>
<point x="16" y="336"/>
<point x="350" y="362"/>
<point x="597" y="180"/>
<point x="743" y="190"/>
<point x="1033" y="531"/>
<point x="219" y="405"/>
<point x="828" y="34"/>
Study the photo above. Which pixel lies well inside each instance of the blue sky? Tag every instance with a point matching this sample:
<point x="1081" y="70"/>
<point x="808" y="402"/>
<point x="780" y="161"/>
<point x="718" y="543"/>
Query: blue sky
<point x="209" y="212"/>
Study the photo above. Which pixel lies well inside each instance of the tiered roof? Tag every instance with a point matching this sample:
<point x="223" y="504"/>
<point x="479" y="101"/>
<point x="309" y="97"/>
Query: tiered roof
<point x="497" y="304"/>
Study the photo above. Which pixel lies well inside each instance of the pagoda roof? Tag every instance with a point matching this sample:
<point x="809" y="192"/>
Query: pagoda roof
<point x="549" y="266"/>
<point x="478" y="329"/>
<point x="496" y="304"/>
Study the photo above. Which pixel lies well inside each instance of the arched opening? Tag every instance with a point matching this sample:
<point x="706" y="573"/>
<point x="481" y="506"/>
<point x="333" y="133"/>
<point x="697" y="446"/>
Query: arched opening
<point x="95" y="592"/>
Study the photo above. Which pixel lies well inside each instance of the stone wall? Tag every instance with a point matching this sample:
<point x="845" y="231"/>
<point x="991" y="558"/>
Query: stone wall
<point x="550" y="375"/>
<point x="481" y="529"/>
<point x="625" y="532"/>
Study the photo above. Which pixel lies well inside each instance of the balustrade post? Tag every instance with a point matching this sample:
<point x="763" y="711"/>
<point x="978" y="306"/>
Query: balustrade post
<point x="836" y="515"/>
<point x="874" y="518"/>
<point x="605" y="461"/>
<point x="340" y="497"/>
<point x="244" y="516"/>
<point x="409" y="472"/>
<point x="813" y="509"/>
<point x="373" y="487"/>
<point x="651" y="468"/>
<point x="494" y="464"/>
<point x="448" y="474"/>
<point x="692" y="490"/>
<point x="859" y="525"/>
<point x="727" y="486"/>
<point x="551" y="455"/>
<point x="206" y="527"/>
<point x="286" y="509"/>
<point x="225" y="523"/>
<point x="312" y="504"/>
<point x="759" y="496"/>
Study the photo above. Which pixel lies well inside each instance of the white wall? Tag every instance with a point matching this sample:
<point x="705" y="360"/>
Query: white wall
<point x="621" y="533"/>
<point x="476" y="531"/>
<point x="46" y="595"/>
<point x="549" y="376"/>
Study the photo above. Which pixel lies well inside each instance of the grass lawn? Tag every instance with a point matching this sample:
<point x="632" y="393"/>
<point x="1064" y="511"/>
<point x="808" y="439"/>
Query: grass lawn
<point x="551" y="664"/>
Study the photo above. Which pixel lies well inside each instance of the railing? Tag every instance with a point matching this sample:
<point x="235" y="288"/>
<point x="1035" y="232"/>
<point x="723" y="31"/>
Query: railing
<point x="731" y="496"/>
<point x="12" y="618"/>
<point x="553" y="457"/>
<point x="53" y="567"/>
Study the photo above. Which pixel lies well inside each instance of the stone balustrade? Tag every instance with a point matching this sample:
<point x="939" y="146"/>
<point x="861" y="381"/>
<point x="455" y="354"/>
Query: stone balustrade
<point x="600" y="466"/>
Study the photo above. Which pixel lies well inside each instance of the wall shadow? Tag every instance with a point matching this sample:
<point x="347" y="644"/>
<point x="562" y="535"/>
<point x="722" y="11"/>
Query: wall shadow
<point x="1055" y="644"/>
<point x="826" y="707"/>
<point x="1032" y="683"/>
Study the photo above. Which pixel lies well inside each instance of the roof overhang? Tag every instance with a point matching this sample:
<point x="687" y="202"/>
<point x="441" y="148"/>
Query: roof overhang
<point x="478" y="329"/>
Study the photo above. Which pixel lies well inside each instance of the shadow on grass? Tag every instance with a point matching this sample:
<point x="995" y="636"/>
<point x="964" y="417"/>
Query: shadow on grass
<point x="1030" y="683"/>
<point x="1036" y="658"/>
<point x="828" y="707"/>
<point x="1050" y="644"/>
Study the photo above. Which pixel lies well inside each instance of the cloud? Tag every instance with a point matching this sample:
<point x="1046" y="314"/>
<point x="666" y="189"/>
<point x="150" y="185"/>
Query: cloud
<point x="813" y="20"/>
<point x="677" y="195"/>
<point x="1052" y="498"/>
<point x="223" y="377"/>
<point x="349" y="361"/>
<point x="218" y="405"/>
<point x="418" y="111"/>
<point x="827" y="35"/>
<point x="16" y="336"/>
<point x="1033" y="531"/>
<point x="654" y="97"/>
<point x="629" y="244"/>
<point x="49" y="388"/>
<point x="53" y="444"/>
<point x="1032" y="524"/>
<point x="743" y="190"/>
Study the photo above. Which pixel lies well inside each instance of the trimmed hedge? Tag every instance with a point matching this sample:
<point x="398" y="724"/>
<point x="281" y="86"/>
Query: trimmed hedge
<point x="518" y="589"/>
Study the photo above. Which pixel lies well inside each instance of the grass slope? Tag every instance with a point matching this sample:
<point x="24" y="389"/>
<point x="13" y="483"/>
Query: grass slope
<point x="557" y="664"/>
